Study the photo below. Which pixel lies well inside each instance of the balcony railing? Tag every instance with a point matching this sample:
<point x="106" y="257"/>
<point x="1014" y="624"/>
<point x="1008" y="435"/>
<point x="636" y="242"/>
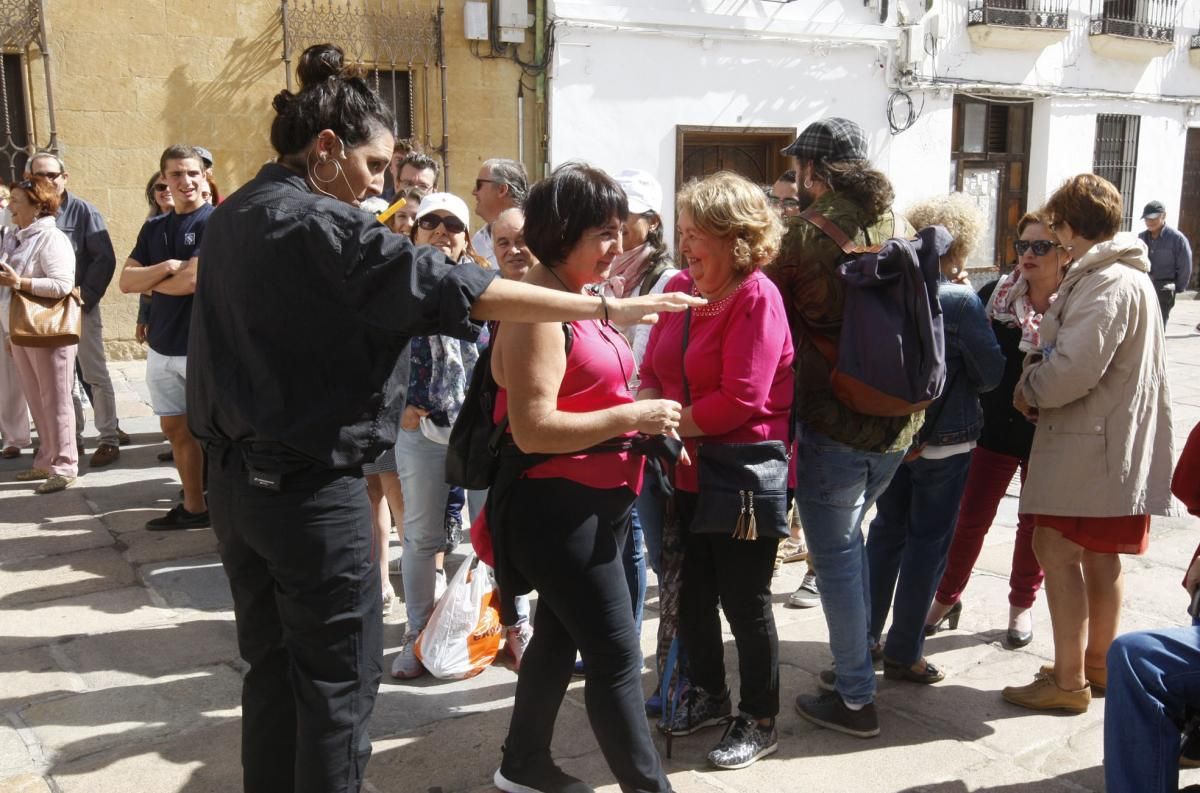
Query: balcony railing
<point x="1149" y="20"/>
<point x="1194" y="42"/>
<point x="1045" y="14"/>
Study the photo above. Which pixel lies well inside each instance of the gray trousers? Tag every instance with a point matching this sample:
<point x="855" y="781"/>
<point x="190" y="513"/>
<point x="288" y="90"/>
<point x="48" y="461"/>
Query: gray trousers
<point x="95" y="373"/>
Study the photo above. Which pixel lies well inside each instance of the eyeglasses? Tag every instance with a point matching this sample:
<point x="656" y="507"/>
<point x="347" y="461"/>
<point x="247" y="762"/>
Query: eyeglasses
<point x="160" y="188"/>
<point x="479" y="183"/>
<point x="51" y="175"/>
<point x="25" y="185"/>
<point x="1040" y="247"/>
<point x="452" y="224"/>
<point x="786" y="203"/>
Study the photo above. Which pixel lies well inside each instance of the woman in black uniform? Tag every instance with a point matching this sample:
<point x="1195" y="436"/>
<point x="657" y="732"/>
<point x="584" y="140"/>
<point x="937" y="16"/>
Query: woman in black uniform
<point x="297" y="368"/>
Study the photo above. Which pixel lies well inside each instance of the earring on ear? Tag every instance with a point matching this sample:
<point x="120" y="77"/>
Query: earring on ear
<point x="808" y="183"/>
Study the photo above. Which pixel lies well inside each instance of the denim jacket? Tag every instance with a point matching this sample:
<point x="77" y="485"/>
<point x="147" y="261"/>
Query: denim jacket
<point x="974" y="364"/>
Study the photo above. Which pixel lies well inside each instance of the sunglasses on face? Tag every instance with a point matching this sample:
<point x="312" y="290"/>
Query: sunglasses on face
<point x="1040" y="247"/>
<point x="160" y="188"/>
<point x="48" y="175"/>
<point x="479" y="183"/>
<point x="452" y="224"/>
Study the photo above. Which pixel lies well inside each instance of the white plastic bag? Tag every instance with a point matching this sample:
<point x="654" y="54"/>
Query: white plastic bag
<point x="463" y="634"/>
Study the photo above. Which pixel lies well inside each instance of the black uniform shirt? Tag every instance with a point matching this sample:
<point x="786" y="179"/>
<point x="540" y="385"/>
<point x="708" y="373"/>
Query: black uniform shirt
<point x="303" y="311"/>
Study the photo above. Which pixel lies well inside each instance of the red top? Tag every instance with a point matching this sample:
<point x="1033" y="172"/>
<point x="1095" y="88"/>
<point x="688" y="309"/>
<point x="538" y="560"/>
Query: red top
<point x="599" y="370"/>
<point x="739" y="366"/>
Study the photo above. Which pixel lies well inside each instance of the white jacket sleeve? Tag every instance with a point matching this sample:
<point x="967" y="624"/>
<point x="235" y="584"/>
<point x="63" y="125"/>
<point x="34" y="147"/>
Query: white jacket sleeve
<point x="54" y="266"/>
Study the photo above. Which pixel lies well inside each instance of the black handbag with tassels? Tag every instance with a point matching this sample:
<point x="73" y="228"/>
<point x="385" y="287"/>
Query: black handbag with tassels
<point x="743" y="486"/>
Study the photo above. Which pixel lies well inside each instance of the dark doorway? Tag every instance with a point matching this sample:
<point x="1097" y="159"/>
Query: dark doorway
<point x="991" y="164"/>
<point x="1189" y="202"/>
<point x="752" y="152"/>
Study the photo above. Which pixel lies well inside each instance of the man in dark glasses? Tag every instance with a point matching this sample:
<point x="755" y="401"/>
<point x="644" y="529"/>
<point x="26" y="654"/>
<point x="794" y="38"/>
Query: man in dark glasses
<point x="501" y="184"/>
<point x="95" y="263"/>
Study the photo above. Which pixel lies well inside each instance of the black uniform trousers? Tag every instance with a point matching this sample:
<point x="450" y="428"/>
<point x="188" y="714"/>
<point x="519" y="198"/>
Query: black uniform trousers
<point x="307" y="598"/>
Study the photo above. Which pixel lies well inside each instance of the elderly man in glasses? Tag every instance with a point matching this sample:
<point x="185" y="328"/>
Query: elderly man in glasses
<point x="95" y="263"/>
<point x="501" y="184"/>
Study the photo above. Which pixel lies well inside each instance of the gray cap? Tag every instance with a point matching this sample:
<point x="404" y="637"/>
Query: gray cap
<point x="830" y="140"/>
<point x="205" y="155"/>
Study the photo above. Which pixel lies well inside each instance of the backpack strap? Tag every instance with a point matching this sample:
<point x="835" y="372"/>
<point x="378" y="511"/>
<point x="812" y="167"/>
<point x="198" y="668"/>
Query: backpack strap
<point x="830" y="230"/>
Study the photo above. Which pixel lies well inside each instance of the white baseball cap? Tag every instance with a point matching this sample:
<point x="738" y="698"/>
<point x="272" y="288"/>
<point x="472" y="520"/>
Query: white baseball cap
<point x="642" y="190"/>
<point x="445" y="202"/>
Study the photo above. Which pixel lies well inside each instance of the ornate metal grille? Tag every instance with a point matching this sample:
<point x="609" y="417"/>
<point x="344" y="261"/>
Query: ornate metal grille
<point x="22" y="27"/>
<point x="1153" y="20"/>
<point x="398" y="41"/>
<point x="1115" y="156"/>
<point x="1194" y="42"/>
<point x="1047" y="14"/>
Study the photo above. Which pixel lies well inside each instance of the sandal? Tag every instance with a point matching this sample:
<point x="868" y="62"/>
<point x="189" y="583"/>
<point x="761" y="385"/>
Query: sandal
<point x="894" y="670"/>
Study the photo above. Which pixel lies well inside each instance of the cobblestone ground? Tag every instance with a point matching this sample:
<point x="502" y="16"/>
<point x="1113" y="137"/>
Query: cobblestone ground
<point x="119" y="671"/>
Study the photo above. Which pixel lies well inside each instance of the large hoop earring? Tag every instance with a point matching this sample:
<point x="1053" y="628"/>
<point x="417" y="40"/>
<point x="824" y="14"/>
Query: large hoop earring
<point x="337" y="169"/>
<point x="808" y="183"/>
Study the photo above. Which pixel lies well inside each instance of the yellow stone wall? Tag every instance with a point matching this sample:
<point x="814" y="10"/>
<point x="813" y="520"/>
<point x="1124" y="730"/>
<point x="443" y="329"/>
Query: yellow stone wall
<point x="133" y="76"/>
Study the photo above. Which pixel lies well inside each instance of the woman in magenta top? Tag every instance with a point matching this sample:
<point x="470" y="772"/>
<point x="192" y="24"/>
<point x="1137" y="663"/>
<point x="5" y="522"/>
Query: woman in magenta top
<point x="559" y="524"/>
<point x="738" y="365"/>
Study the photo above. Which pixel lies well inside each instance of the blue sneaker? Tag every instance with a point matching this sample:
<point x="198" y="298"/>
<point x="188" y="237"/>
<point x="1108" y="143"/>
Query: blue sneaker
<point x="654" y="704"/>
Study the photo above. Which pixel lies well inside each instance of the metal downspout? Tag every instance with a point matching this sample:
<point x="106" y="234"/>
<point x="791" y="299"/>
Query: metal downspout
<point x="445" y="150"/>
<point x="44" y="44"/>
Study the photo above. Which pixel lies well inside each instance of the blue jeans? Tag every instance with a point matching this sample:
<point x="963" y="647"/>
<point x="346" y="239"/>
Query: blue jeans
<point x="835" y="486"/>
<point x="421" y="466"/>
<point x="1153" y="679"/>
<point x="651" y="510"/>
<point x="907" y="547"/>
<point x="633" y="556"/>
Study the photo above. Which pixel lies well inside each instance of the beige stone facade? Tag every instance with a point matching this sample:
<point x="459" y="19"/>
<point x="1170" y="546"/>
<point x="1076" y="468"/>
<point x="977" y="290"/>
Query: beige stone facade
<point x="130" y="77"/>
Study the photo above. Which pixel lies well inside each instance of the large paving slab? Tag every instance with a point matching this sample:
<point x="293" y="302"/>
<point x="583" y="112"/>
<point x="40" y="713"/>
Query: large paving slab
<point x="64" y="575"/>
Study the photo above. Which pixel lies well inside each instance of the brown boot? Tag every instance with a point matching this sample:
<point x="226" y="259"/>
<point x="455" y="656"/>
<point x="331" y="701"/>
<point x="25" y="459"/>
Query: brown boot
<point x="1044" y="694"/>
<point x="105" y="454"/>
<point x="1097" y="676"/>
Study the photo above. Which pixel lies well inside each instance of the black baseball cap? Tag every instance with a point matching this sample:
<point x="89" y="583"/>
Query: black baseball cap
<point x="1153" y="210"/>
<point x="830" y="139"/>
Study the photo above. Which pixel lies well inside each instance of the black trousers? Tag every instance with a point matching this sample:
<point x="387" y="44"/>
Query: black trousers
<point x="1166" y="299"/>
<point x="737" y="575"/>
<point x="568" y="547"/>
<point x="306" y="594"/>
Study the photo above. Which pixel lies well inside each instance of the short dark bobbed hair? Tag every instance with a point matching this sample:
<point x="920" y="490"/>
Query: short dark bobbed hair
<point x="333" y="95"/>
<point x="559" y="209"/>
<point x="1089" y="203"/>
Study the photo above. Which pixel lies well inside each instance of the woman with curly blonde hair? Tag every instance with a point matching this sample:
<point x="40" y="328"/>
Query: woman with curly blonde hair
<point x="736" y="387"/>
<point x="914" y="521"/>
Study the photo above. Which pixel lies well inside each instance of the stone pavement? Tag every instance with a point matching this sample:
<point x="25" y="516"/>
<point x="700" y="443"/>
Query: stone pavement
<point x="119" y="670"/>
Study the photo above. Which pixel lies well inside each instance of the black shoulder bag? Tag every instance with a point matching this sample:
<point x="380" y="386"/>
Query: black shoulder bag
<point x="743" y="486"/>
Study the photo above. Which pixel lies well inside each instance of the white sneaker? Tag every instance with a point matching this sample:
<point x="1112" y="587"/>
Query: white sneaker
<point x="439" y="585"/>
<point x="517" y="639"/>
<point x="806" y="595"/>
<point x="406" y="665"/>
<point x="389" y="600"/>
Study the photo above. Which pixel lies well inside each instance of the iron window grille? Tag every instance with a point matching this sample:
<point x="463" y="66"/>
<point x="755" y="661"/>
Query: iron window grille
<point x="1046" y="14"/>
<point x="1151" y="20"/>
<point x="1116" y="155"/>
<point x="22" y="39"/>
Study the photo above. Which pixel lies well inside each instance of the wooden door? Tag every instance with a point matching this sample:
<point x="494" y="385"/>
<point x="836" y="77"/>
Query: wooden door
<point x="1189" y="202"/>
<point x="752" y="153"/>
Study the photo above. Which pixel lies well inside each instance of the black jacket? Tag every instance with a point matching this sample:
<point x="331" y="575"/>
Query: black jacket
<point x="304" y="306"/>
<point x="95" y="260"/>
<point x="1005" y="430"/>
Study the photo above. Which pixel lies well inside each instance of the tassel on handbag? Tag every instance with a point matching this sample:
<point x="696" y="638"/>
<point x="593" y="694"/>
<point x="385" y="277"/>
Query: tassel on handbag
<point x="747" y="526"/>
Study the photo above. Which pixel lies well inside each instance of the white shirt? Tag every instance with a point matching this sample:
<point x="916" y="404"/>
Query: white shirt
<point x="482" y="242"/>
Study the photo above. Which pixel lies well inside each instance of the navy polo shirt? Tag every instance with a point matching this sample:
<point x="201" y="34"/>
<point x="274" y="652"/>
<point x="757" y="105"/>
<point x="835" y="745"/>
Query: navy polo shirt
<point x="170" y="236"/>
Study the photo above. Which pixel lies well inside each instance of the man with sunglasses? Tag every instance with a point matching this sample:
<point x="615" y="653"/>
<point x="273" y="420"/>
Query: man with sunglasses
<point x="501" y="184"/>
<point x="784" y="195"/>
<point x="95" y="263"/>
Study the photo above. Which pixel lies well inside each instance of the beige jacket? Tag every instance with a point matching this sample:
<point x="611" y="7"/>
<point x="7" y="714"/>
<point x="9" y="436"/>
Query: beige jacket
<point x="1103" y="446"/>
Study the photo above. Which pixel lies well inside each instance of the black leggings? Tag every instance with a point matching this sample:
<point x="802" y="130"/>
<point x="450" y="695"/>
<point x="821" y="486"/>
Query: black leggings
<point x="736" y="573"/>
<point x="566" y="541"/>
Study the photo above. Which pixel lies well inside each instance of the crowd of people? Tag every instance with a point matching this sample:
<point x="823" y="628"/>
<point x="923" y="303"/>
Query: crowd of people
<point x="312" y="340"/>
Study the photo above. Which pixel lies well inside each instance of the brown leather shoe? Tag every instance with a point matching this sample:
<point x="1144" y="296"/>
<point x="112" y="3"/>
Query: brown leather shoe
<point x="1097" y="676"/>
<point x="10" y="453"/>
<point x="105" y="454"/>
<point x="1044" y="694"/>
<point x="123" y="437"/>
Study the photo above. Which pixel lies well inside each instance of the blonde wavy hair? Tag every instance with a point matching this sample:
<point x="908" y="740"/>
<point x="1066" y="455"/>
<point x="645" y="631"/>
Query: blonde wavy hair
<point x="960" y="216"/>
<point x="729" y="206"/>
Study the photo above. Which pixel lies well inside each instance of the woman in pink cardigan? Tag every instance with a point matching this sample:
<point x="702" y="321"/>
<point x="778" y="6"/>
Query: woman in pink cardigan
<point x="737" y="359"/>
<point x="38" y="260"/>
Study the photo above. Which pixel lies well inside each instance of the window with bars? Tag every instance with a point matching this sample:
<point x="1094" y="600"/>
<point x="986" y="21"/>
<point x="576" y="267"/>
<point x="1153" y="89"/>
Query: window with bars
<point x="1115" y="157"/>
<point x="14" y="127"/>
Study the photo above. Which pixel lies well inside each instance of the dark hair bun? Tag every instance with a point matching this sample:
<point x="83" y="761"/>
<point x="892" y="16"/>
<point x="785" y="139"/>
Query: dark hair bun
<point x="319" y="63"/>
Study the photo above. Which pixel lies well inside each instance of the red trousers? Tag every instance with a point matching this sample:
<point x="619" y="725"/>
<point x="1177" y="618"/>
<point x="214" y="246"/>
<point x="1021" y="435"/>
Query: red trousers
<point x="987" y="482"/>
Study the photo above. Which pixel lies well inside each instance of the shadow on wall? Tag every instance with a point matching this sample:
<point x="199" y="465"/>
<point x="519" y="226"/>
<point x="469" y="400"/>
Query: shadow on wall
<point x="229" y="112"/>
